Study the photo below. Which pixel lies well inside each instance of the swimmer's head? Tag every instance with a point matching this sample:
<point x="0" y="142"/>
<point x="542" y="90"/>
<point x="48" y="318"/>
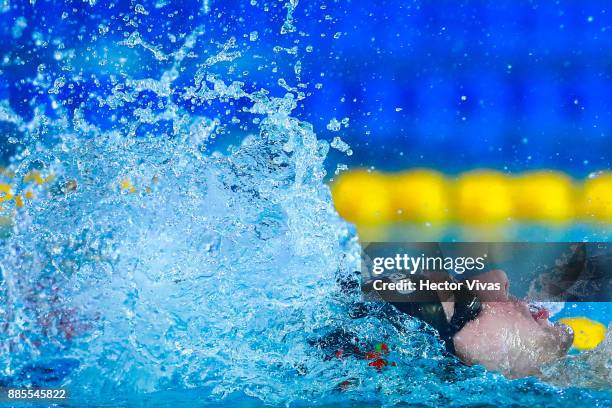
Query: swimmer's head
<point x="489" y="328"/>
<point x="509" y="337"/>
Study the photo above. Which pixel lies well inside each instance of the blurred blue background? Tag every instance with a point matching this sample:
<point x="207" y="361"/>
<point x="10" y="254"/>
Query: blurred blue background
<point x="451" y="85"/>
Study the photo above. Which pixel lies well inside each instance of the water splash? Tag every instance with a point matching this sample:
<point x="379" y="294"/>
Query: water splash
<point x="591" y="369"/>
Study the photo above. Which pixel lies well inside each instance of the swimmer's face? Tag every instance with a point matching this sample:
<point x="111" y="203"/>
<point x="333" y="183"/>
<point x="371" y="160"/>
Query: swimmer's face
<point x="507" y="337"/>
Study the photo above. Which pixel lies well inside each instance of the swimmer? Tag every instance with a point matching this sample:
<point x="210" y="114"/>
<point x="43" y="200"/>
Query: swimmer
<point x="478" y="327"/>
<point x="490" y="328"/>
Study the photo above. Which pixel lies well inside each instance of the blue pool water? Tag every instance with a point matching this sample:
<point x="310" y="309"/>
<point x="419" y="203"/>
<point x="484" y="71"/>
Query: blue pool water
<point x="156" y="269"/>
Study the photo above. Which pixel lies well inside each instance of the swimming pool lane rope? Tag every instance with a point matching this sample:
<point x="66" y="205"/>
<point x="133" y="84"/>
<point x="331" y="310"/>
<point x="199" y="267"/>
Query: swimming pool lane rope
<point x="367" y="197"/>
<point x="372" y="198"/>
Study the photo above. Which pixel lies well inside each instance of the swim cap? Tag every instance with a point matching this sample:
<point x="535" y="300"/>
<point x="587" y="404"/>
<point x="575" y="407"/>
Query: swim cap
<point x="427" y="306"/>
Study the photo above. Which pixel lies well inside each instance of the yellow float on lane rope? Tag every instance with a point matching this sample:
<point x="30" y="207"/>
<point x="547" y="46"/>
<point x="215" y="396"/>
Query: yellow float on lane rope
<point x="419" y="195"/>
<point x="6" y="193"/>
<point x="37" y="177"/>
<point x="126" y="185"/>
<point x="363" y="197"/>
<point x="597" y="197"/>
<point x="587" y="333"/>
<point x="483" y="197"/>
<point x="543" y="196"/>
